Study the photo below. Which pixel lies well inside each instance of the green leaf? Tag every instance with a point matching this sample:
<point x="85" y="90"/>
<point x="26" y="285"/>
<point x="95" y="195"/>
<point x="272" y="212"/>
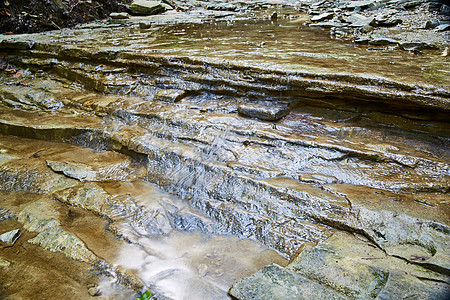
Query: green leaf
<point x="145" y="296"/>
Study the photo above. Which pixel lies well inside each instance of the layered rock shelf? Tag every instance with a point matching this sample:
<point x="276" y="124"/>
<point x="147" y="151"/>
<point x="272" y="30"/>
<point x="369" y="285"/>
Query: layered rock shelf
<point x="253" y="158"/>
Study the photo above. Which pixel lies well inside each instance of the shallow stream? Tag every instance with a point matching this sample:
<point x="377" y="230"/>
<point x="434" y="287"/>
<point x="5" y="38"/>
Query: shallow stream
<point x="141" y="131"/>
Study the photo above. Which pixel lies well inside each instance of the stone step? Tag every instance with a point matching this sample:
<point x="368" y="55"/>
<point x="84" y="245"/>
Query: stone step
<point x="276" y="283"/>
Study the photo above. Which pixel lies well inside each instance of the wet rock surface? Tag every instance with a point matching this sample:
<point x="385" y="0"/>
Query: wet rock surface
<point x="264" y="112"/>
<point x="119" y="143"/>
<point x="398" y="22"/>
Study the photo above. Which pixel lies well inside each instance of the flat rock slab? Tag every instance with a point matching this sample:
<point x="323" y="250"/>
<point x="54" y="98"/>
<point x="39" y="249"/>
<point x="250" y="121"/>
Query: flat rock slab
<point x="55" y="239"/>
<point x="263" y="112"/>
<point x="169" y="95"/>
<point x="274" y="282"/>
<point x="364" y="272"/>
<point x="358" y="20"/>
<point x="121" y="15"/>
<point x="322" y="17"/>
<point x="146" y="8"/>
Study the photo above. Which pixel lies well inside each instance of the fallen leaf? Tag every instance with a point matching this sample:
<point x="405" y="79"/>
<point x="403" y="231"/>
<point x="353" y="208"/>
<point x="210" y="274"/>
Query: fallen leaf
<point x="10" y="71"/>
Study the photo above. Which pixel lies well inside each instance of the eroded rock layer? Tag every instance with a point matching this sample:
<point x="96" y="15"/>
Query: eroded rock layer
<point x="129" y="135"/>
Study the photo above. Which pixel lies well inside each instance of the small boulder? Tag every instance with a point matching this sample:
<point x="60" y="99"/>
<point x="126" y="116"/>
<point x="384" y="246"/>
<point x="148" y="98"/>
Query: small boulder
<point x="146" y="8"/>
<point x="263" y="112"/>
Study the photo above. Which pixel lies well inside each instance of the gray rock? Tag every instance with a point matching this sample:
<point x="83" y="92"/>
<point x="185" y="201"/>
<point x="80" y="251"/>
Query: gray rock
<point x="10" y="237"/>
<point x="74" y="170"/>
<point x="442" y="27"/>
<point x="357" y="5"/>
<point x="222" y="6"/>
<point x="435" y="23"/>
<point x="412" y="4"/>
<point x="326" y="264"/>
<point x="55" y="239"/>
<point x="366" y="29"/>
<point x="6" y="215"/>
<point x="404" y="286"/>
<point x="38" y="216"/>
<point x="358" y="20"/>
<point x="144" y="25"/>
<point x="388" y="22"/>
<point x="418" y="241"/>
<point x="365" y="272"/>
<point x="328" y="24"/>
<point x="431" y="24"/>
<point x="111" y="167"/>
<point x="276" y="283"/>
<point x="361" y="40"/>
<point x="269" y="113"/>
<point x="322" y="17"/>
<point x="121" y="15"/>
<point x="383" y="41"/>
<point x="412" y="46"/>
<point x="445" y="9"/>
<point x="146" y="8"/>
